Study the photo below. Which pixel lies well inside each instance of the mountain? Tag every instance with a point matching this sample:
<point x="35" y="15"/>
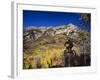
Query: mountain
<point x="71" y="31"/>
<point x="43" y="41"/>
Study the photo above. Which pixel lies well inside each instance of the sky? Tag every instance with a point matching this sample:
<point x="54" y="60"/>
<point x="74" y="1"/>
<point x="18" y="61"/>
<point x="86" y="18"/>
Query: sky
<point x="47" y="18"/>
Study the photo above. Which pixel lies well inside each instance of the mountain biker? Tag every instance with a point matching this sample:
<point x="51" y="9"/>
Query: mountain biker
<point x="68" y="53"/>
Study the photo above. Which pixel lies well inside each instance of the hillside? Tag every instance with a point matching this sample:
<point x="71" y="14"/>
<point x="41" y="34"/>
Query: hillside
<point x="44" y="46"/>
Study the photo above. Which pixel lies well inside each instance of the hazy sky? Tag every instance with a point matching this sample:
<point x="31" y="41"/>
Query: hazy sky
<point x="46" y="18"/>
